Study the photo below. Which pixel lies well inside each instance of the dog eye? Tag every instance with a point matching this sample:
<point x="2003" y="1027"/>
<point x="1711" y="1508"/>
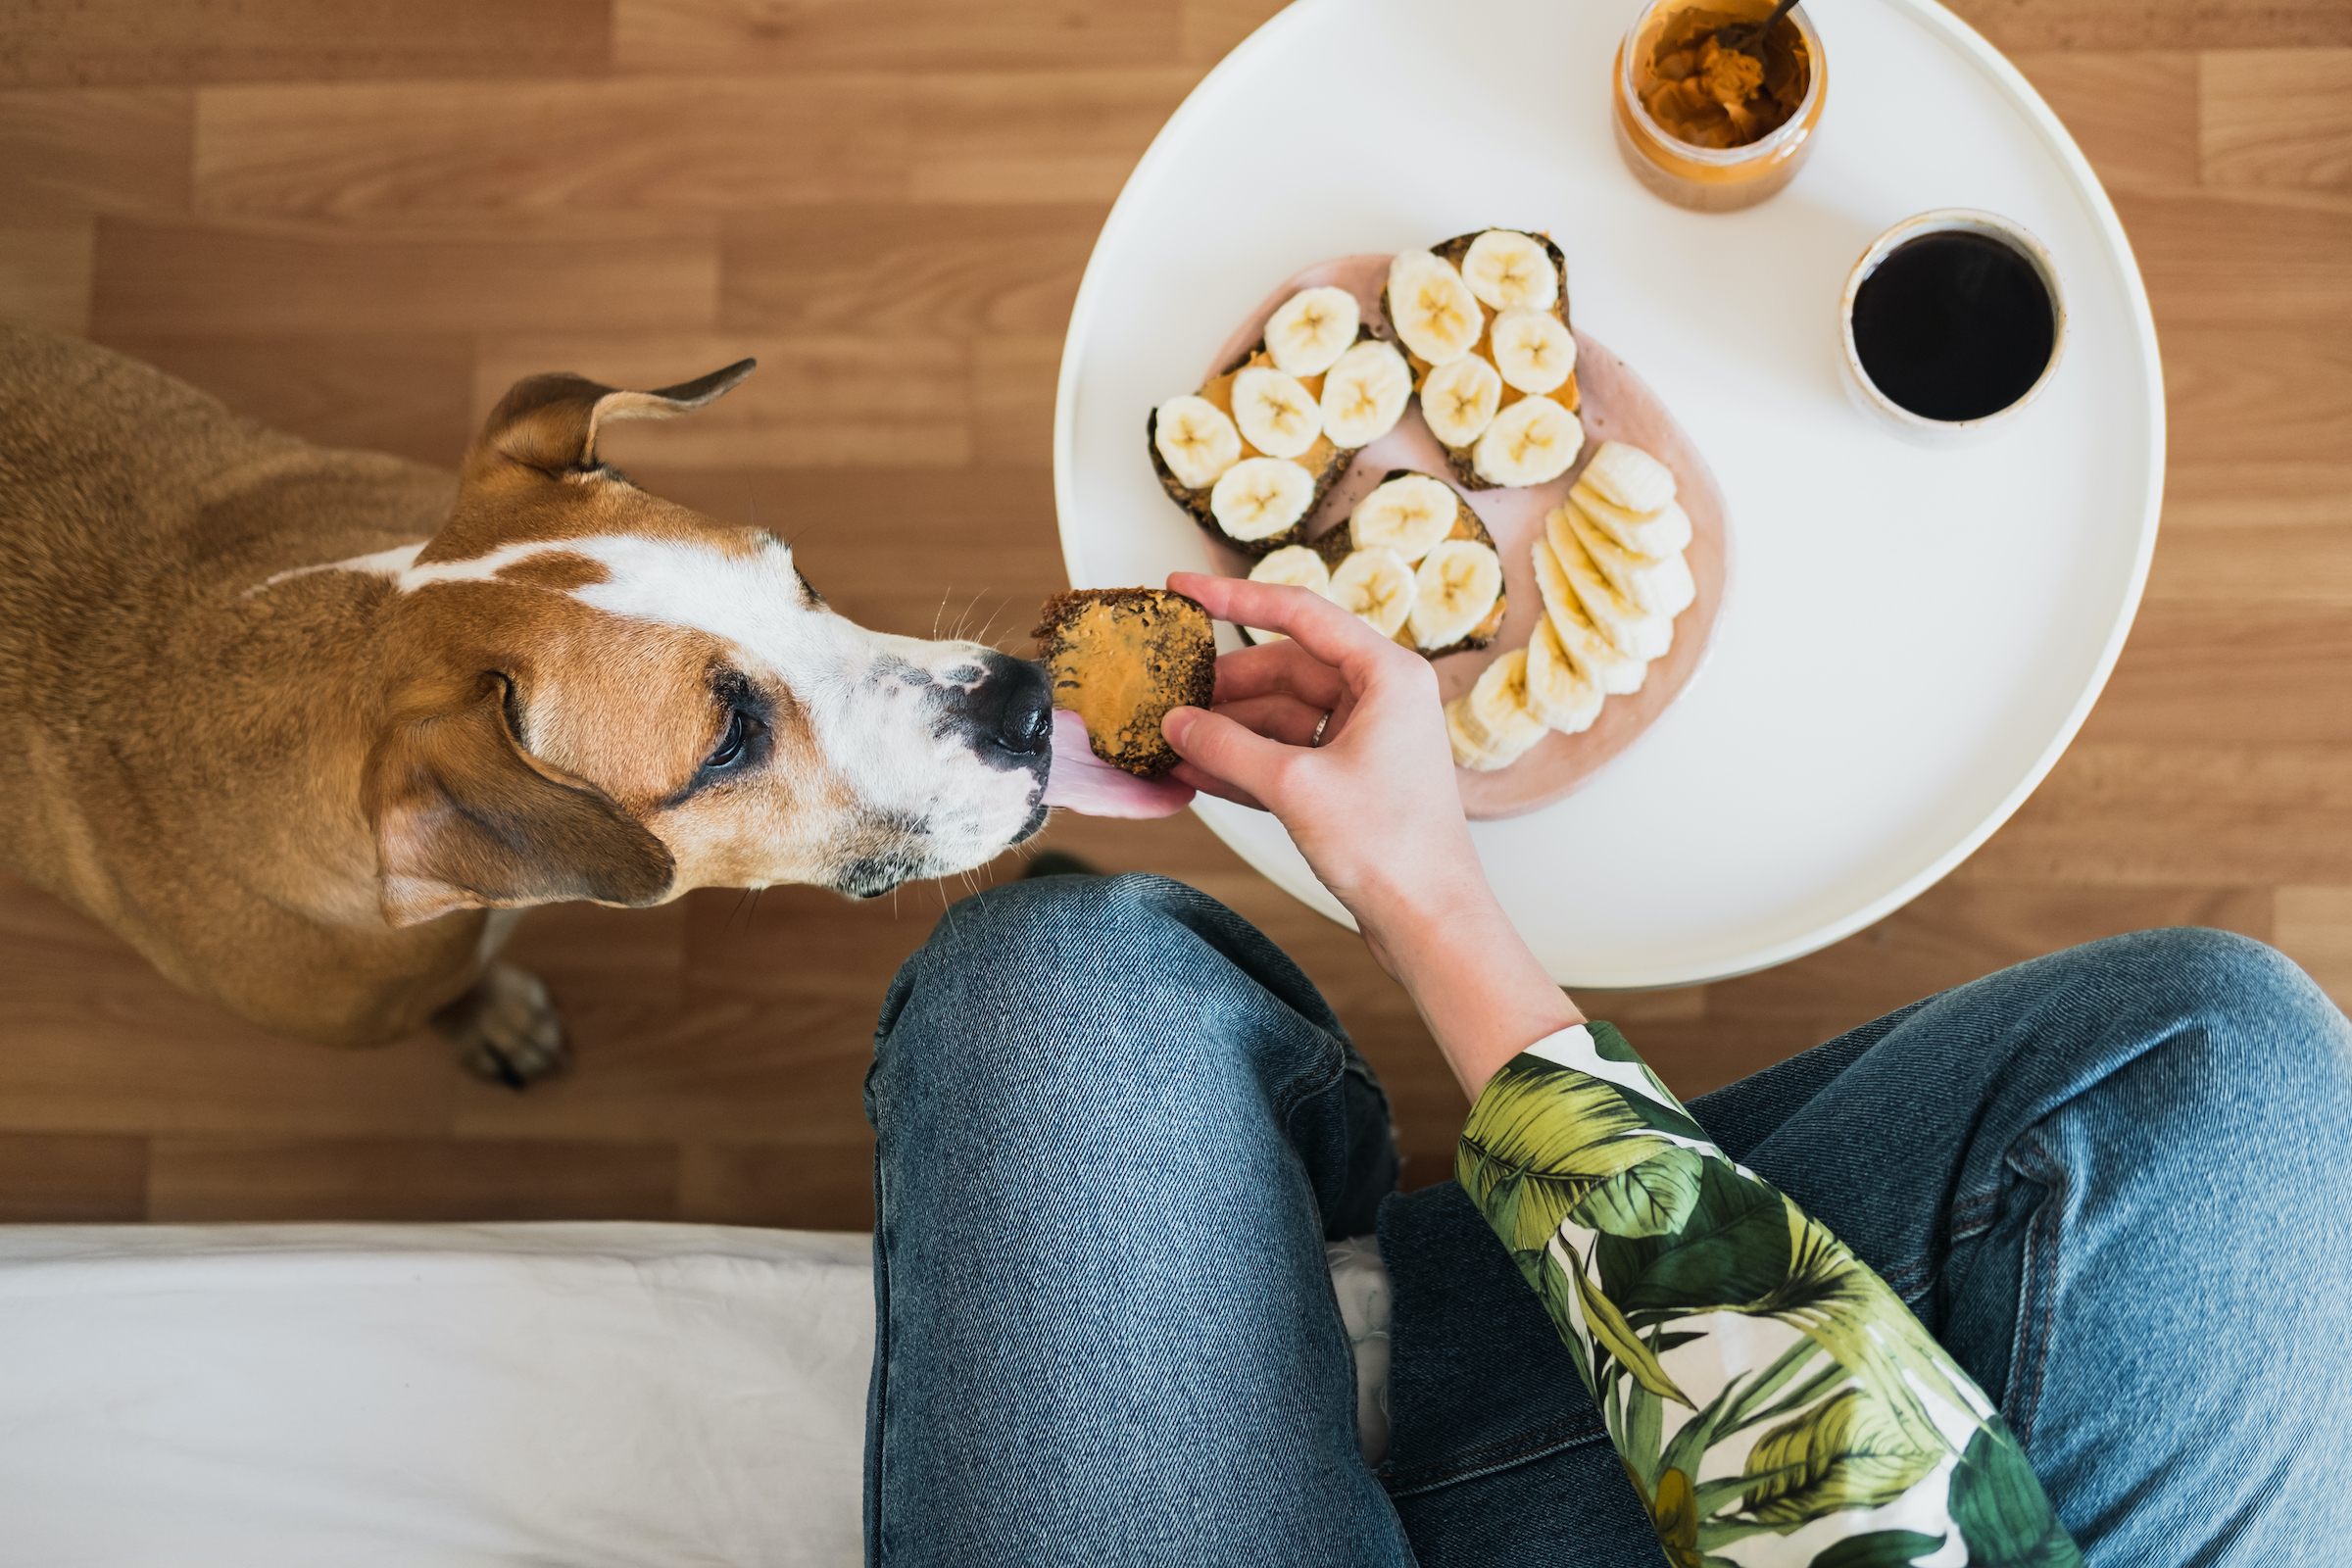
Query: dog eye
<point x="731" y="745"/>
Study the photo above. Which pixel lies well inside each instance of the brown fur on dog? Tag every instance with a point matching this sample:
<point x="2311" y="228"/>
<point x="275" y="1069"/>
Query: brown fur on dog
<point x="292" y="721"/>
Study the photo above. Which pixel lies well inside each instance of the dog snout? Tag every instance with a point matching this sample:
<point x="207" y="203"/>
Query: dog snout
<point x="1010" y="712"/>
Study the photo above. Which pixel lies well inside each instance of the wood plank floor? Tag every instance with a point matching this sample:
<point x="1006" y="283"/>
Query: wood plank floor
<point x="360" y="221"/>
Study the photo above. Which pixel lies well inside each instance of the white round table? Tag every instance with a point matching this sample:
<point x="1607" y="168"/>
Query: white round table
<point x="1910" y="637"/>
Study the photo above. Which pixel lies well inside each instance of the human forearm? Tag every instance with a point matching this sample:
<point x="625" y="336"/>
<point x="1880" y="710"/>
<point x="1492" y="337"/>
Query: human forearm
<point x="1764" y="1387"/>
<point x="1483" y="995"/>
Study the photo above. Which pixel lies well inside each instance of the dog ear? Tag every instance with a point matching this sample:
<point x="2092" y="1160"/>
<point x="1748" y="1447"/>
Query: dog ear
<point x="549" y="422"/>
<point x="465" y="820"/>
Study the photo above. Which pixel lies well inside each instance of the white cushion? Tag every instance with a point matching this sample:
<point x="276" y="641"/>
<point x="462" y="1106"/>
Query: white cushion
<point x="416" y="1395"/>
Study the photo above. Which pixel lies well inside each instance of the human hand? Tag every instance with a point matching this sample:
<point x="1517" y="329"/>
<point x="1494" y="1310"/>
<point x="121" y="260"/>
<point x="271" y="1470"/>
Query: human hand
<point x="1373" y="808"/>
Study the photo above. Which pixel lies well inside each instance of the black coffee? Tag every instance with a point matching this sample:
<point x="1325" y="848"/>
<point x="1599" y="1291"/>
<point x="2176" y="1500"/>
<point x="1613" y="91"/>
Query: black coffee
<point x="1953" y="326"/>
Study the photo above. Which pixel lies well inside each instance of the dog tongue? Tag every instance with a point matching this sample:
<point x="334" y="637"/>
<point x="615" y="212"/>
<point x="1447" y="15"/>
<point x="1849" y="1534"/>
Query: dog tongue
<point x="1083" y="782"/>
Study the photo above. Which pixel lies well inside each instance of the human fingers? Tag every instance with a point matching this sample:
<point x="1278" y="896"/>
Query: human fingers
<point x="1279" y="716"/>
<point x="1227" y="752"/>
<point x="1277" y="667"/>
<point x="1202" y="783"/>
<point x="1322" y="628"/>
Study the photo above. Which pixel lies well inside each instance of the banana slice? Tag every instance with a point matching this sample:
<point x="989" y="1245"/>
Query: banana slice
<point x="1498" y="702"/>
<point x="1646" y="534"/>
<point x="1312" y="329"/>
<point x="1466" y="753"/>
<point x="1365" y="394"/>
<point x="1258" y="498"/>
<point x="1293" y="566"/>
<point x="1274" y="413"/>
<point x="1196" y="440"/>
<point x="1496" y="718"/>
<point x="1629" y="477"/>
<point x="1659" y="584"/>
<point x="1532" y="349"/>
<point x="1455" y="590"/>
<point x="1375" y="585"/>
<point x="1637" y="632"/>
<point x="1459" y="400"/>
<point x="1600" y="661"/>
<point x="1557" y="692"/>
<point x="1407" y="516"/>
<point x="1433" y="309"/>
<point x="1506" y="269"/>
<point x="1530" y="442"/>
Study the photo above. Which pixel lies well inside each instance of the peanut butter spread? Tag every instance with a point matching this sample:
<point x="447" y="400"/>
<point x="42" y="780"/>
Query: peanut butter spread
<point x="1119" y="660"/>
<point x="1709" y="96"/>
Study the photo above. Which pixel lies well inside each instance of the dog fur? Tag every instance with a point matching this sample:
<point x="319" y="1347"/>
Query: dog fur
<point x="297" y="724"/>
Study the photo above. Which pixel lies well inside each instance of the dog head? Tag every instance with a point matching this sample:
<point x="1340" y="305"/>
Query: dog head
<point x="591" y="693"/>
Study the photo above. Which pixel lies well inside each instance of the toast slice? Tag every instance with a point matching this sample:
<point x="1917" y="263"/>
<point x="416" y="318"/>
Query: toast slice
<point x="1120" y="659"/>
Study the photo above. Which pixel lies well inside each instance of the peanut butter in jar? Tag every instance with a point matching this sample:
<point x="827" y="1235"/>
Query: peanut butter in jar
<point x="1711" y="128"/>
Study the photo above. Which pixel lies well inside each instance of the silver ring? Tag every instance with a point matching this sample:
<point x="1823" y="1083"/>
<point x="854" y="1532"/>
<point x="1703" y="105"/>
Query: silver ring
<point x="1322" y="724"/>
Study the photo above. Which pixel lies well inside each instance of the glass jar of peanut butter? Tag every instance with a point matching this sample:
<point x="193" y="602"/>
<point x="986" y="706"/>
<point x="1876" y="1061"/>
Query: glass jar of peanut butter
<point x="1710" y="128"/>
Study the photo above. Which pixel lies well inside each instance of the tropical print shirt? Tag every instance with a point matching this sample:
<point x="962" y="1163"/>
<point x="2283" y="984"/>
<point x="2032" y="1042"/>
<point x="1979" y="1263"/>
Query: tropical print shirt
<point x="1774" y="1402"/>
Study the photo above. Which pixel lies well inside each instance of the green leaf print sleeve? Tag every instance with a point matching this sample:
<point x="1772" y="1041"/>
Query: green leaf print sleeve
<point x="1775" y="1404"/>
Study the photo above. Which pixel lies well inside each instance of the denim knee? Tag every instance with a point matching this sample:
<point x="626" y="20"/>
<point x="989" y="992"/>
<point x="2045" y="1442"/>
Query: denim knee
<point x="1090" y="1006"/>
<point x="2243" y="1004"/>
<point x="1054" y="975"/>
<point x="1026" y="930"/>
<point x="2211" y="969"/>
<point x="1016" y="950"/>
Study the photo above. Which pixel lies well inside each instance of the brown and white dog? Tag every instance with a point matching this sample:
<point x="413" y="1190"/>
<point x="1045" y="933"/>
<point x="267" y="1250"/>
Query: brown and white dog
<point x="295" y="723"/>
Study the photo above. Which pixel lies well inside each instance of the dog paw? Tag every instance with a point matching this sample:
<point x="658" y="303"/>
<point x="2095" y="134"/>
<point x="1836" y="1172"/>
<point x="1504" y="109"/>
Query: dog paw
<point x="505" y="1029"/>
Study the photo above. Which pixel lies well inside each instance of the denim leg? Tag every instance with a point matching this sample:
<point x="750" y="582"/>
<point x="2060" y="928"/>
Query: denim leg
<point x="2111" y="1181"/>
<point x="1115" y="1126"/>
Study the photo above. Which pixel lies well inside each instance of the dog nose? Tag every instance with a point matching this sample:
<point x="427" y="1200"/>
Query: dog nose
<point x="1028" y="723"/>
<point x="1011" y="709"/>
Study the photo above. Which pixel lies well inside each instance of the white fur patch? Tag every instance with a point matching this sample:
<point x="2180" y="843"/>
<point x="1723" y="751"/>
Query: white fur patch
<point x="481" y="568"/>
<point x="754" y="602"/>
<point x="391" y="562"/>
<point x="400" y="564"/>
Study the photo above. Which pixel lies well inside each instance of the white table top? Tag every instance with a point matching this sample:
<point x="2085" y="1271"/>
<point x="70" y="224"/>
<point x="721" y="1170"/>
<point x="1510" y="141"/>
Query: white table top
<point x="1910" y="637"/>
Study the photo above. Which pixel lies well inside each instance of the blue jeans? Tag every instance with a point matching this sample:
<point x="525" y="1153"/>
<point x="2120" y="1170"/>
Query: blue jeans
<point x="1116" y="1126"/>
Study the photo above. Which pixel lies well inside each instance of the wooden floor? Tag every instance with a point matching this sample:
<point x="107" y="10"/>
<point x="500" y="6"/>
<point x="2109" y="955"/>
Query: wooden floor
<point x="360" y="221"/>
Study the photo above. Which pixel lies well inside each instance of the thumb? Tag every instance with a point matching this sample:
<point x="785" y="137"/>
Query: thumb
<point x="1224" y="749"/>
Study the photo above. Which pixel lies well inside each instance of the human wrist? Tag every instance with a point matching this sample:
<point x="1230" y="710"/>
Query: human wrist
<point x="1482" y="992"/>
<point x="1410" y="904"/>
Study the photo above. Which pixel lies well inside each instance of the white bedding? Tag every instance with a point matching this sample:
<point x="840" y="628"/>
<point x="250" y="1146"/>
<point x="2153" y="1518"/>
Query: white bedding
<point x="412" y="1396"/>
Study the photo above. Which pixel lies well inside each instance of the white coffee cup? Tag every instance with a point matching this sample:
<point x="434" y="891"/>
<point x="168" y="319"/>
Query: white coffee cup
<point x="1875" y="404"/>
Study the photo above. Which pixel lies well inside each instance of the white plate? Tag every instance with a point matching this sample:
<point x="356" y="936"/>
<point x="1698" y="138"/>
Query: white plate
<point x="1916" y="634"/>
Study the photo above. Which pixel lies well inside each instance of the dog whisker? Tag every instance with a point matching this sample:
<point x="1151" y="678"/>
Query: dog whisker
<point x="966" y="619"/>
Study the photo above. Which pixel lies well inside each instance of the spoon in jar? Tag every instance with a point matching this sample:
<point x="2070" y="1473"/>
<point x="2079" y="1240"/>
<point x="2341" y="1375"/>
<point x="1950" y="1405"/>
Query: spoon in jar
<point x="1748" y="37"/>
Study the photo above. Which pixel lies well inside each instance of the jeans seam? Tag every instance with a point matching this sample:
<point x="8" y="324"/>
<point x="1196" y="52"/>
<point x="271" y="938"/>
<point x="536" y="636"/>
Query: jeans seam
<point x="1974" y="1215"/>
<point x="2036" y="1266"/>
<point x="1492" y="1457"/>
<point x="878" y="1549"/>
<point x="1305" y="1087"/>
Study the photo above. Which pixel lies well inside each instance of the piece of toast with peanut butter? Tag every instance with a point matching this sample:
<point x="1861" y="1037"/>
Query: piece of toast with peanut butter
<point x="1120" y="659"/>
